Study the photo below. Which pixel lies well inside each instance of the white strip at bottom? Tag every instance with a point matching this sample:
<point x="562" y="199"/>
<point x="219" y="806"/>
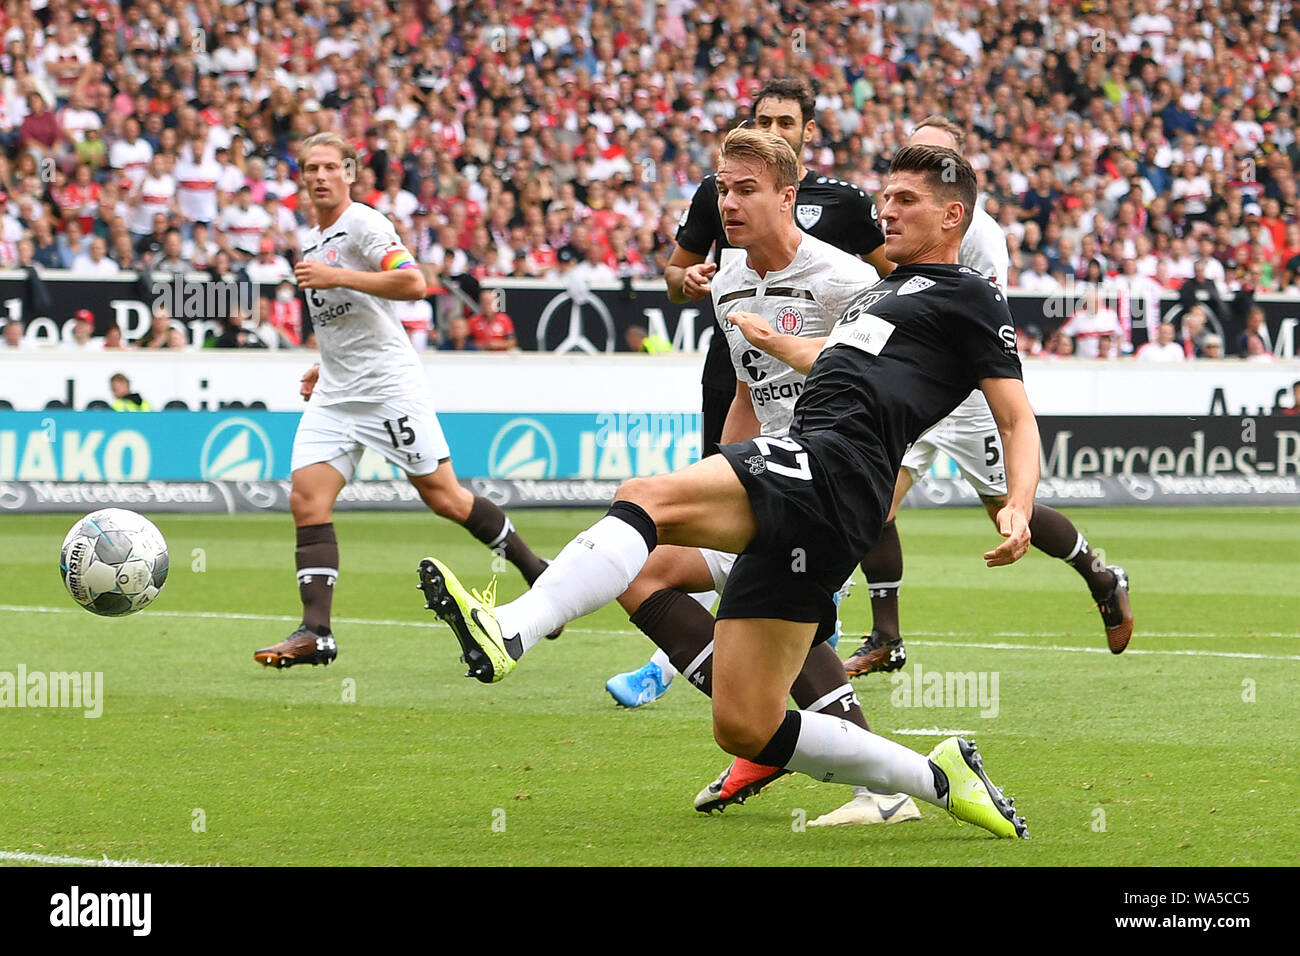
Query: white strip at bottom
<point x="48" y="859"/>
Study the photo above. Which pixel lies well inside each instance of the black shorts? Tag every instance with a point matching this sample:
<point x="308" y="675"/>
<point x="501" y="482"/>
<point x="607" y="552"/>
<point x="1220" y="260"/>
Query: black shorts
<point x="820" y="507"/>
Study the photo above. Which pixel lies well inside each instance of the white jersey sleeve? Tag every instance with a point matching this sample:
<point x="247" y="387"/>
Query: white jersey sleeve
<point x="984" y="248"/>
<point x="366" y="356"/>
<point x="805" y="299"/>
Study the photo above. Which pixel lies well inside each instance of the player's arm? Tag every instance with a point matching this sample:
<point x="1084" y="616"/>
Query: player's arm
<point x="1019" y="429"/>
<point x="742" y="423"/>
<point x="687" y="275"/>
<point x="798" y="353"/>
<point x="398" y="276"/>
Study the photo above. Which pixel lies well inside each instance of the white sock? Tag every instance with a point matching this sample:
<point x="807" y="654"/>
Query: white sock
<point x="592" y="570"/>
<point x="831" y="749"/>
<point x="665" y="665"/>
<point x="706" y="599"/>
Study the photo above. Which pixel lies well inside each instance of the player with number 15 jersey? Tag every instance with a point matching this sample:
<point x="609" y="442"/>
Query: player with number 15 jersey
<point x="369" y="391"/>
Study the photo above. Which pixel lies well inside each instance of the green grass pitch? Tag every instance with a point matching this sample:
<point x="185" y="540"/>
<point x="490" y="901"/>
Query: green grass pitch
<point x="1180" y="752"/>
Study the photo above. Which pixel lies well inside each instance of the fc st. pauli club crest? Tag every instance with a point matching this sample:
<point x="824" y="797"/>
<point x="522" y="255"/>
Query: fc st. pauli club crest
<point x="789" y="320"/>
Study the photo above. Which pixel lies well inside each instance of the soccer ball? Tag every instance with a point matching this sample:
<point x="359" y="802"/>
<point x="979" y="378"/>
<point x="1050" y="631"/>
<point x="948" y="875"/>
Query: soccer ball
<point x="113" y="562"/>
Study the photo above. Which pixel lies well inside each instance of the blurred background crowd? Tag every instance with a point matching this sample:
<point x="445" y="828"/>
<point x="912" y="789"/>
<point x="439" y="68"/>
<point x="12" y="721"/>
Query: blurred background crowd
<point x="1150" y="144"/>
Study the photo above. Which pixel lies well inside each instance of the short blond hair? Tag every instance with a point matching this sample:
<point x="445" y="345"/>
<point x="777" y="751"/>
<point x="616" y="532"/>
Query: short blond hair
<point x="766" y="149"/>
<point x="334" y="140"/>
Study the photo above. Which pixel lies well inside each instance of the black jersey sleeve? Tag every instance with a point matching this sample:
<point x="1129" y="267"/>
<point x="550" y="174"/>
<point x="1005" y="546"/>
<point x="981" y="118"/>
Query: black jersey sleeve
<point x="867" y="237"/>
<point x="702" y="225"/>
<point x="864" y="236"/>
<point x="990" y="331"/>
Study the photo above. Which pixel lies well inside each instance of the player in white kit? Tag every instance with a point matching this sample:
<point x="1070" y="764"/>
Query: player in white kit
<point x="369" y="391"/>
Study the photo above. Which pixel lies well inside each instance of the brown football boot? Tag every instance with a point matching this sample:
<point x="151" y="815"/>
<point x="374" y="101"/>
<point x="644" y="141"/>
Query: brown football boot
<point x="1116" y="613"/>
<point x="877" y="654"/>
<point x="303" y="646"/>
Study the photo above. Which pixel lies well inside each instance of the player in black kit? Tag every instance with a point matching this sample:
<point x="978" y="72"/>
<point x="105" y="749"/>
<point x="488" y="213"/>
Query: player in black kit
<point x="800" y="510"/>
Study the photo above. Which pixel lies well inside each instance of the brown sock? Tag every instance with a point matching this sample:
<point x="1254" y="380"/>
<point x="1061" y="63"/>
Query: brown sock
<point x="683" y="630"/>
<point x="883" y="567"/>
<point x="824" y="688"/>
<point x="1055" y="535"/>
<point x="489" y="524"/>
<point x="317" y="558"/>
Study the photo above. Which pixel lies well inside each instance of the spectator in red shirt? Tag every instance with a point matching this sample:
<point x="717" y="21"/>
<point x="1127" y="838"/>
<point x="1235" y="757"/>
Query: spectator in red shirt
<point x="41" y="127"/>
<point x="492" y="329"/>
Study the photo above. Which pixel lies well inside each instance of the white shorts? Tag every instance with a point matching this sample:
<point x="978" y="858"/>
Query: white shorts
<point x="719" y="563"/>
<point x="970" y="437"/>
<point x="404" y="430"/>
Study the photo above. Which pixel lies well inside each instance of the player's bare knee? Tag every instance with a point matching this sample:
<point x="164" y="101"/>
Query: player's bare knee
<point x="308" y="507"/>
<point x="740" y="736"/>
<point x="647" y="493"/>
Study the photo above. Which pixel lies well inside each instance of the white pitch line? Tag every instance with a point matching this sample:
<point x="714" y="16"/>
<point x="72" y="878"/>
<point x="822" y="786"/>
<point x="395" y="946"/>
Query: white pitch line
<point x="1101" y="650"/>
<point x="51" y="860"/>
<point x="999" y="646"/>
<point x="928" y="732"/>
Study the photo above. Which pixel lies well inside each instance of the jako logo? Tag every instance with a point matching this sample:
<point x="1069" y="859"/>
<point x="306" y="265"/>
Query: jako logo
<point x="523" y="448"/>
<point x="237" y="450"/>
<point x="74" y="909"/>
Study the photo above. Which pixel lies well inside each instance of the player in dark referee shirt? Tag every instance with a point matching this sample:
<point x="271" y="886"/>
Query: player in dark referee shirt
<point x="833" y="211"/>
<point x="799" y="510"/>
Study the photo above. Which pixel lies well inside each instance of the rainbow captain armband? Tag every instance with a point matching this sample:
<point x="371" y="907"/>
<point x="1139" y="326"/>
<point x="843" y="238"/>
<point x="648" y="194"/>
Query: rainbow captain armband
<point x="397" y="258"/>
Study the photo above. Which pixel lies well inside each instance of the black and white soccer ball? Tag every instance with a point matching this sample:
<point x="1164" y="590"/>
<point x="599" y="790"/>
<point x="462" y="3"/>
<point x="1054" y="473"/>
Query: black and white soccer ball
<point x="114" y="562"/>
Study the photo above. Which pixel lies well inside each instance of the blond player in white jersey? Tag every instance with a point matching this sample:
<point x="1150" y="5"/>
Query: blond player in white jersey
<point x="369" y="391"/>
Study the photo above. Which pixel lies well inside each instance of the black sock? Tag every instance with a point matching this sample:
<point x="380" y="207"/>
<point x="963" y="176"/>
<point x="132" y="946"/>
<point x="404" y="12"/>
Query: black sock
<point x="883" y="567"/>
<point x="1054" y="534"/>
<point x="683" y="630"/>
<point x="780" y="748"/>
<point x="317" y="559"/>
<point x="489" y="524"/>
<point x="824" y="688"/>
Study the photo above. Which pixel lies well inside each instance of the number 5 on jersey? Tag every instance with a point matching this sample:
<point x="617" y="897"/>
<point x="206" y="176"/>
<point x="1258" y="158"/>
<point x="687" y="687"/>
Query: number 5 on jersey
<point x="800" y="469"/>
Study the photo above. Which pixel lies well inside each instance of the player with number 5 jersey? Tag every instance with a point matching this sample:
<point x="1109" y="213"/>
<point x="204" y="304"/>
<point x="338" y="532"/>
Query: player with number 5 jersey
<point x="369" y="391"/>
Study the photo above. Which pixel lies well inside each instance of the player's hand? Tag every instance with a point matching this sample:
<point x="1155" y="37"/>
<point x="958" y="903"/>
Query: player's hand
<point x="754" y="328"/>
<point x="1014" y="526"/>
<point x="309" y="382"/>
<point x="315" y="275"/>
<point x="695" y="282"/>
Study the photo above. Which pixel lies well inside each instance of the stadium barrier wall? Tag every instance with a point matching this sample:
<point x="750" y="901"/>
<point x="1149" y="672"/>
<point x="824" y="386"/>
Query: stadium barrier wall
<point x="239" y="460"/>
<point x="521" y="383"/>
<point x="548" y="315"/>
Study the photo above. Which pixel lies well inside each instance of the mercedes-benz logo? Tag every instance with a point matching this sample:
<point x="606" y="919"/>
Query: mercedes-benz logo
<point x="259" y="494"/>
<point x="576" y="338"/>
<point x="936" y="491"/>
<point x="12" y="497"/>
<point x="1143" y="489"/>
<point x="494" y="491"/>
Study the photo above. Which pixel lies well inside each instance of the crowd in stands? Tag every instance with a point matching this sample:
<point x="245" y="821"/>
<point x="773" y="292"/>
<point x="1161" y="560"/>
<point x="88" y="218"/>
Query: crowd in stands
<point x="1132" y="147"/>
